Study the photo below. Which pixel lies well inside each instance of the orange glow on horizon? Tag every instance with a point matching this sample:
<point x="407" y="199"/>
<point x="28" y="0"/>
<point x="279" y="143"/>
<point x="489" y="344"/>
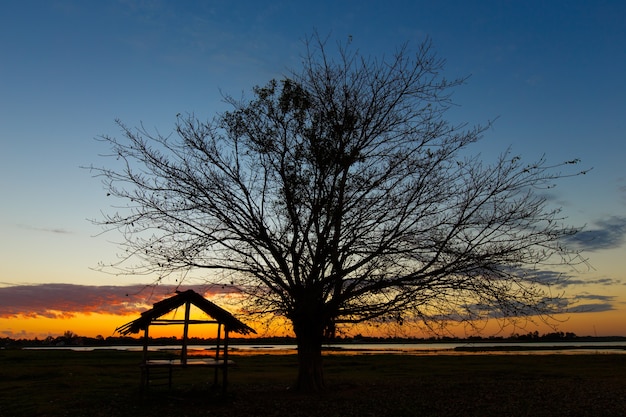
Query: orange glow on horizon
<point x="612" y="323"/>
<point x="39" y="311"/>
<point x="93" y="325"/>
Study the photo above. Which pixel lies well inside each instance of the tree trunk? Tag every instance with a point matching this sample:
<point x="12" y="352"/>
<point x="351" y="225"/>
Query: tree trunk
<point x="309" y="335"/>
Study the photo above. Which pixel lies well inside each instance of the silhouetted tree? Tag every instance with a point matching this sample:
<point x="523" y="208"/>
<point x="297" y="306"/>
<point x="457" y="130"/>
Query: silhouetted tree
<point x="69" y="335"/>
<point x="340" y="194"/>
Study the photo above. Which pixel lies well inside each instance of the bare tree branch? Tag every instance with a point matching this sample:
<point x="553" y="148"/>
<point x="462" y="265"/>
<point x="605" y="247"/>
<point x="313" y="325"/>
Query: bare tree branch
<point x="340" y="194"/>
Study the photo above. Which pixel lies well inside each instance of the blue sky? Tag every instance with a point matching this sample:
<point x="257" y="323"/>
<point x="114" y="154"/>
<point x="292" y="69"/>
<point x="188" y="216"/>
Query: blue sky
<point x="551" y="72"/>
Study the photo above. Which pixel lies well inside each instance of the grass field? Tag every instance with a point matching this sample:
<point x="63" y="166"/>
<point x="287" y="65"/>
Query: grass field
<point x="107" y="383"/>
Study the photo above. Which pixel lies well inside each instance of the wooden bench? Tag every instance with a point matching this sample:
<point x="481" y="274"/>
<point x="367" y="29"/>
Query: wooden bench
<point x="171" y="364"/>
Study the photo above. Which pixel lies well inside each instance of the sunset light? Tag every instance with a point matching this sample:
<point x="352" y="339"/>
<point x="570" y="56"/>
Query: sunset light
<point x="312" y="209"/>
<point x="550" y="78"/>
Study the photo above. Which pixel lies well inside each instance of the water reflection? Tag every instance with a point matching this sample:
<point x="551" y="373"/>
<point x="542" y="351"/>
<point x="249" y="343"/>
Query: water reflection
<point x="527" y="348"/>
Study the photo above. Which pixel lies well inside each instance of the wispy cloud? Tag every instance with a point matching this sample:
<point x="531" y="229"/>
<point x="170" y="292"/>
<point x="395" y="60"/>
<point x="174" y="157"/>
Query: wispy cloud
<point x="559" y="279"/>
<point x="592" y="303"/>
<point x="592" y="308"/>
<point x="562" y="280"/>
<point x="67" y="300"/>
<point x="605" y="282"/>
<point x="609" y="233"/>
<point x="55" y="230"/>
<point x="578" y="302"/>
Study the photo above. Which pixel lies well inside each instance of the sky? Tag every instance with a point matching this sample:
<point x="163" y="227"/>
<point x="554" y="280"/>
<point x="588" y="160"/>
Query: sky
<point x="550" y="73"/>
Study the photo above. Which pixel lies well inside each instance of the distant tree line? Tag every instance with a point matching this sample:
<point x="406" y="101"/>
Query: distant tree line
<point x="534" y="336"/>
<point x="70" y="338"/>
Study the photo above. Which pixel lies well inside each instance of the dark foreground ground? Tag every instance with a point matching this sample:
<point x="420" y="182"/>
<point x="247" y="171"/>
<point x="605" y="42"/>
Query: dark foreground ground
<point x="106" y="383"/>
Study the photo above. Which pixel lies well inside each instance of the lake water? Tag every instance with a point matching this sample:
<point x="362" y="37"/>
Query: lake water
<point x="464" y="348"/>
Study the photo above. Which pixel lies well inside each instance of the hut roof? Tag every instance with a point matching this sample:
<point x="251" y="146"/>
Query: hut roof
<point x="165" y="306"/>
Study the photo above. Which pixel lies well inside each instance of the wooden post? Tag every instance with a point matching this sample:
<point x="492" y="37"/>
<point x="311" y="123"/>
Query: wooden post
<point x="145" y="344"/>
<point x="225" y="369"/>
<point x="183" y="354"/>
<point x="145" y="372"/>
<point x="217" y="353"/>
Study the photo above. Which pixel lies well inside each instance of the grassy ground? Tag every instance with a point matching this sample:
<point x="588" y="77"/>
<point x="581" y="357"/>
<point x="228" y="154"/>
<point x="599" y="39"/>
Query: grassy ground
<point x="106" y="383"/>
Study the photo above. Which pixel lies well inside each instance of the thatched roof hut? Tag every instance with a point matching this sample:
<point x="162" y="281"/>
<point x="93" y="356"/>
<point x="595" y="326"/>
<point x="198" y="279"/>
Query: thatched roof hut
<point x="165" y="306"/>
<point x="187" y="298"/>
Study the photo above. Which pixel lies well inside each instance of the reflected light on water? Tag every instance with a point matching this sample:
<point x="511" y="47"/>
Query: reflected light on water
<point x="529" y="348"/>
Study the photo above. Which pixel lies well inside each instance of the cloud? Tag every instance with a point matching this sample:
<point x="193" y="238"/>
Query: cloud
<point x="591" y="303"/>
<point x="610" y="233"/>
<point x="587" y="296"/>
<point x="558" y="279"/>
<point x="67" y="300"/>
<point x="22" y="334"/>
<point x="55" y="230"/>
<point x="591" y="308"/>
<point x="544" y="277"/>
<point x="579" y="303"/>
<point x="582" y="302"/>
<point x="606" y="282"/>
